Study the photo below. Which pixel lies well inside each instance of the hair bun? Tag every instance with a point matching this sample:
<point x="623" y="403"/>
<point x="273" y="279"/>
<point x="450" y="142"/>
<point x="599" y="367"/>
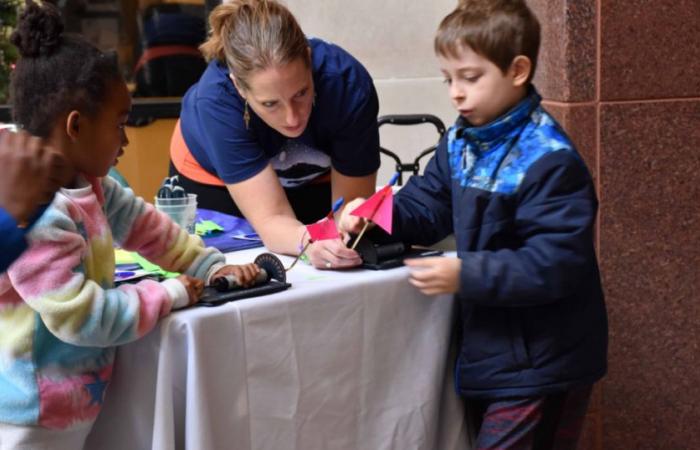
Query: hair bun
<point x="39" y="30"/>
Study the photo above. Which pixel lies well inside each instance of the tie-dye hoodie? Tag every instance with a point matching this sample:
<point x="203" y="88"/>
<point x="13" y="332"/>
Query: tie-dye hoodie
<point x="60" y="314"/>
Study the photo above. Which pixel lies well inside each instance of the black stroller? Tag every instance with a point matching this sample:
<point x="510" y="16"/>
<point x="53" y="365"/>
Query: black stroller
<point x="410" y="119"/>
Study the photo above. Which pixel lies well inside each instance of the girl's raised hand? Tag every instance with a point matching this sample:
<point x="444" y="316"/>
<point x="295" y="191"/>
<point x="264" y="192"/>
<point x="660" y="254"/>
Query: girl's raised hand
<point x="32" y="173"/>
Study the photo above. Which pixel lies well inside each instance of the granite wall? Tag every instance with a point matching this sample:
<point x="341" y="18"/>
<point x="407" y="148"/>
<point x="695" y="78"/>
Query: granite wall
<point x="623" y="76"/>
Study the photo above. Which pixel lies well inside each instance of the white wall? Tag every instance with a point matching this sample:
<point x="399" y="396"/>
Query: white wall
<point x="394" y="40"/>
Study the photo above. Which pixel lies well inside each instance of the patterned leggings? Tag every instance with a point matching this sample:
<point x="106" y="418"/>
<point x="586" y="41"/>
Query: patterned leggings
<point x="552" y="422"/>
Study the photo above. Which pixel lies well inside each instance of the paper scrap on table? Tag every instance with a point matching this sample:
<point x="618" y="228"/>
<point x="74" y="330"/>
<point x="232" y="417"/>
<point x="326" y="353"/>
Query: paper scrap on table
<point x="153" y="268"/>
<point x="207" y="227"/>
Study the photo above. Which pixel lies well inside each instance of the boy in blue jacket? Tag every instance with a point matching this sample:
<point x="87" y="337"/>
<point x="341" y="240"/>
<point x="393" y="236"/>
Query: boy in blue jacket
<point x="508" y="182"/>
<point x="31" y="174"/>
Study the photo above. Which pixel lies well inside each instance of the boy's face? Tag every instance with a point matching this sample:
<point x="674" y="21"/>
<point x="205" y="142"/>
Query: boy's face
<point x="478" y="88"/>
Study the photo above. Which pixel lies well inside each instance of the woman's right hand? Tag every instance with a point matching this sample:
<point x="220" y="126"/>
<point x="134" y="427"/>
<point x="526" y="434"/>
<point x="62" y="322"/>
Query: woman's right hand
<point x="194" y="286"/>
<point x="332" y="254"/>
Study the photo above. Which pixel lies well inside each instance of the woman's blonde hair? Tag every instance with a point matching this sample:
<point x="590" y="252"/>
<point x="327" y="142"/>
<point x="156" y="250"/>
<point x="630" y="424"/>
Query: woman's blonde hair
<point x="251" y="35"/>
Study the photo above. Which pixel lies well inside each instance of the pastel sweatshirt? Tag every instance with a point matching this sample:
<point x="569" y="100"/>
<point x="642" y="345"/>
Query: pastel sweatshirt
<point x="60" y="314"/>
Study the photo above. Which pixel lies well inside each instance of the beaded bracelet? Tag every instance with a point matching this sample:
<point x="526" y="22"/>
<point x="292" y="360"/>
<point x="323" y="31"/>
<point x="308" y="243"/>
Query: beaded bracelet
<point x="302" y="248"/>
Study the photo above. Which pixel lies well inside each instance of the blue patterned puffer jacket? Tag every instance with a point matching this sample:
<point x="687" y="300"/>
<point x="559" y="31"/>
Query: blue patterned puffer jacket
<point x="522" y="207"/>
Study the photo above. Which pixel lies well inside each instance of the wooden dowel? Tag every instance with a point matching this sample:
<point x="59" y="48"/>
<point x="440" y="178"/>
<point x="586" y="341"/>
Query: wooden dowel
<point x="359" y="236"/>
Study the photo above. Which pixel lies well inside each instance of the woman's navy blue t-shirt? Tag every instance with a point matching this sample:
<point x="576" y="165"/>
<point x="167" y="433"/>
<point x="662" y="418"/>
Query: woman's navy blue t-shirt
<point x="341" y="132"/>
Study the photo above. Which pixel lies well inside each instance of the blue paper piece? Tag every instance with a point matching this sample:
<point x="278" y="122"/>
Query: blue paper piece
<point x="232" y="226"/>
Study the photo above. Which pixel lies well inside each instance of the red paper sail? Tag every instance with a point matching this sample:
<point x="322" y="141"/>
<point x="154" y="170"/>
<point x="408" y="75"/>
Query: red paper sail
<point x="378" y="208"/>
<point x="323" y="229"/>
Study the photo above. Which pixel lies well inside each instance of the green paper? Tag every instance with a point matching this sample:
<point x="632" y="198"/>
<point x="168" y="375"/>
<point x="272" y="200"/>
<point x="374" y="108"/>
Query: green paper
<point x="205" y="227"/>
<point x="122" y="257"/>
<point x="150" y="267"/>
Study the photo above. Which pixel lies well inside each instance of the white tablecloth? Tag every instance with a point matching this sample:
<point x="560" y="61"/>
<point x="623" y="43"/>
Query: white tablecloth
<point x="341" y="360"/>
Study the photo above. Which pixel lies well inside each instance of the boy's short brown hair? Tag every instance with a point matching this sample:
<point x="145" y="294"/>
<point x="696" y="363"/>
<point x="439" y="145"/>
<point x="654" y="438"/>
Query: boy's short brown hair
<point x="499" y="30"/>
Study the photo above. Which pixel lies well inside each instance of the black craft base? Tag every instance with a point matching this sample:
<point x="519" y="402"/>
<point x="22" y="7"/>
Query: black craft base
<point x="391" y="263"/>
<point x="387" y="256"/>
<point x="212" y="297"/>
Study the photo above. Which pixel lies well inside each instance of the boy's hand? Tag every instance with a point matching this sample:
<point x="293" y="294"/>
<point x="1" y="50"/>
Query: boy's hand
<point x="245" y="273"/>
<point x="349" y="223"/>
<point x="194" y="287"/>
<point x="32" y="173"/>
<point x="436" y="275"/>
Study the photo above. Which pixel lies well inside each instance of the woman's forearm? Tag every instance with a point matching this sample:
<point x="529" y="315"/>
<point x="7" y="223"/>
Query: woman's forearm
<point x="282" y="234"/>
<point x="264" y="204"/>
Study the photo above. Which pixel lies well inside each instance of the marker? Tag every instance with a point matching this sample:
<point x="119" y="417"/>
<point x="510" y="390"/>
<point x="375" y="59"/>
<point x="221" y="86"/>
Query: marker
<point x="393" y="179"/>
<point x="124" y="274"/>
<point x="247" y="237"/>
<point x="336" y="206"/>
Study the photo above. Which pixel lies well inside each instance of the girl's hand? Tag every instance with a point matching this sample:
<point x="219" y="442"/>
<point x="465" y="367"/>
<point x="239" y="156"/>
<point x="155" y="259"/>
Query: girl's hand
<point x="194" y="287"/>
<point x="32" y="173"/>
<point x="332" y="254"/>
<point x="245" y="273"/>
<point x="434" y="276"/>
<point x="349" y="223"/>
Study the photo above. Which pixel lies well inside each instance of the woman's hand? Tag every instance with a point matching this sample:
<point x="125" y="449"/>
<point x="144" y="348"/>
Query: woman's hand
<point x="194" y="287"/>
<point x="332" y="254"/>
<point x="434" y="276"/>
<point x="349" y="224"/>
<point x="245" y="273"/>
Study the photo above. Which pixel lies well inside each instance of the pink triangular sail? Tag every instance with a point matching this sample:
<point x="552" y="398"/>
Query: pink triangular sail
<point x="323" y="229"/>
<point x="378" y="208"/>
